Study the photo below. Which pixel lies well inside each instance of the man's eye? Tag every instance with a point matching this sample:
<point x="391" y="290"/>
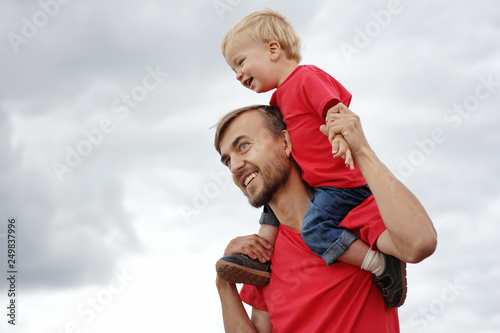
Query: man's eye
<point x="228" y="162"/>
<point x="243" y="146"/>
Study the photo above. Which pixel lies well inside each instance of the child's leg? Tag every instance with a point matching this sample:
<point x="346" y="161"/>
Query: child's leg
<point x="322" y="233"/>
<point x="359" y="254"/>
<point x="355" y="253"/>
<point x="269" y="233"/>
<point x="321" y="230"/>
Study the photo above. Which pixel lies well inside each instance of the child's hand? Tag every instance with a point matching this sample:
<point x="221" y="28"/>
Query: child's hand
<point x="340" y="148"/>
<point x="253" y="246"/>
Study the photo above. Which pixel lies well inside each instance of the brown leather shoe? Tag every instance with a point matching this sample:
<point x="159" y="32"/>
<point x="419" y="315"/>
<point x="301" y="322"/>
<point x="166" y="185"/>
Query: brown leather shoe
<point x="240" y="268"/>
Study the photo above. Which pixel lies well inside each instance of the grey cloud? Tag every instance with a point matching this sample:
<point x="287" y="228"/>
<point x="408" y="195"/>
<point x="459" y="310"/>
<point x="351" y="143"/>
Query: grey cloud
<point x="160" y="154"/>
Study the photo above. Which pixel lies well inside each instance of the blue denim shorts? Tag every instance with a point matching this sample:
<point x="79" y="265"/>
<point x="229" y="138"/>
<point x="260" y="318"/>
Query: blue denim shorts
<point x="320" y="227"/>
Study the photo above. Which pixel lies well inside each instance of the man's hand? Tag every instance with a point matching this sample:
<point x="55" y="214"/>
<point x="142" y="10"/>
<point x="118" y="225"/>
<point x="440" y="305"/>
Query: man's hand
<point x="340" y="147"/>
<point x="253" y="246"/>
<point x="327" y="127"/>
<point x="341" y="120"/>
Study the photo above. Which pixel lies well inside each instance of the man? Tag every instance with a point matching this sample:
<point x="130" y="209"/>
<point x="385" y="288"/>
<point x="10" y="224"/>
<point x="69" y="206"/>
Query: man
<point x="305" y="295"/>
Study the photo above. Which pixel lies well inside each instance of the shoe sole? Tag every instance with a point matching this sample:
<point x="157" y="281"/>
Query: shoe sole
<point x="234" y="273"/>
<point x="402" y="267"/>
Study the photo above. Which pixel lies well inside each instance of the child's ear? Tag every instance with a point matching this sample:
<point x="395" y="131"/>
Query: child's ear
<point x="274" y="50"/>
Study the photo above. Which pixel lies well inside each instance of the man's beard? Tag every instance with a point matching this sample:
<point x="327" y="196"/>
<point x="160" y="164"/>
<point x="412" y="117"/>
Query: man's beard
<point x="274" y="175"/>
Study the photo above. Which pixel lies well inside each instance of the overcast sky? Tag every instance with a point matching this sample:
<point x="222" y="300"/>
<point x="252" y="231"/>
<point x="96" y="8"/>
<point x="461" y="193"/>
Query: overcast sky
<point x="121" y="206"/>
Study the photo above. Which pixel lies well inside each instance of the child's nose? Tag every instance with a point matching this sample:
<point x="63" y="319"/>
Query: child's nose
<point x="239" y="75"/>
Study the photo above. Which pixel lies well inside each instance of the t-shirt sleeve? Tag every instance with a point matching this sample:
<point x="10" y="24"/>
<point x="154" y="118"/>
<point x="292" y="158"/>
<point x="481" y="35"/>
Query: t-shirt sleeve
<point x="253" y="296"/>
<point x="324" y="92"/>
<point x="365" y="221"/>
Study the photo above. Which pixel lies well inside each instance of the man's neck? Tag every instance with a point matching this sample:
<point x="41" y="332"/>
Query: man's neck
<point x="290" y="202"/>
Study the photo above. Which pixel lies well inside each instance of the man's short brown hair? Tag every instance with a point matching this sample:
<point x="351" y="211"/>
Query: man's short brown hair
<point x="271" y="115"/>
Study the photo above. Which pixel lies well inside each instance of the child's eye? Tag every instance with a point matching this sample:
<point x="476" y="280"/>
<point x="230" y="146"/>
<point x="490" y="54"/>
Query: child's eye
<point x="241" y="62"/>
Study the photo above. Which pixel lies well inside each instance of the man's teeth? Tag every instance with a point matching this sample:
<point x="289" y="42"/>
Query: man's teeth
<point x="249" y="178"/>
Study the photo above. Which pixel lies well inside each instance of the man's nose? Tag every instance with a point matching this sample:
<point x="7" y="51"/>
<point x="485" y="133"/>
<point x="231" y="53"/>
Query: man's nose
<point x="236" y="165"/>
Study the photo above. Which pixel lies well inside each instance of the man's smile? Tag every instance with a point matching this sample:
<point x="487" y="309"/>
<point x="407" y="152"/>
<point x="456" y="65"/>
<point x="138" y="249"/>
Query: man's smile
<point x="249" y="178"/>
<point x="246" y="177"/>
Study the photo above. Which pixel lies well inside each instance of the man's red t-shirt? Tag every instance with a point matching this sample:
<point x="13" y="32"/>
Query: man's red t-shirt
<point x="305" y="295"/>
<point x="304" y="98"/>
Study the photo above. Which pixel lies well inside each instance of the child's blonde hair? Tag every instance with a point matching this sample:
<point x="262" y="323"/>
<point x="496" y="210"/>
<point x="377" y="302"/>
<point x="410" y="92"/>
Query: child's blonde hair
<point x="267" y="25"/>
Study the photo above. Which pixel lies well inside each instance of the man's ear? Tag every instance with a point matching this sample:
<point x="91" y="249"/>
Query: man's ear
<point x="287" y="142"/>
<point x="274" y="49"/>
